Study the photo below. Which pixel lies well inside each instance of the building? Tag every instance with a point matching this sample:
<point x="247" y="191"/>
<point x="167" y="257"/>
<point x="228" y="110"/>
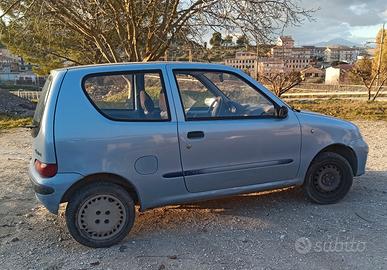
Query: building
<point x="281" y="59"/>
<point x="285" y="57"/>
<point x="341" y="54"/>
<point x="337" y="74"/>
<point x="26" y="78"/>
<point x="274" y="65"/>
<point x="281" y="52"/>
<point x="313" y="74"/>
<point x="245" y="61"/>
<point x="13" y="69"/>
<point x="245" y="55"/>
<point x="285" y="41"/>
<point x="294" y="58"/>
<point x="270" y="65"/>
<point x="295" y="52"/>
<point x="297" y="64"/>
<point x="317" y="53"/>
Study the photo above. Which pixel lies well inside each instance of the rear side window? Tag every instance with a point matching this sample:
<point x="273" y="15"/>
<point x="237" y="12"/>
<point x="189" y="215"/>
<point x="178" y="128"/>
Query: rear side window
<point x="41" y="106"/>
<point x="136" y="96"/>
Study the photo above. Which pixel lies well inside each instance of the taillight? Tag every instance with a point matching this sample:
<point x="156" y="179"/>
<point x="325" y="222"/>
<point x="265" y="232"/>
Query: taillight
<point x="46" y="170"/>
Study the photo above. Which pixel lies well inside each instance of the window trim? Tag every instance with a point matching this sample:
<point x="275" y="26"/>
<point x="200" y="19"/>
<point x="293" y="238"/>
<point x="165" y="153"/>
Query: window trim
<point x="126" y="72"/>
<point x="249" y="117"/>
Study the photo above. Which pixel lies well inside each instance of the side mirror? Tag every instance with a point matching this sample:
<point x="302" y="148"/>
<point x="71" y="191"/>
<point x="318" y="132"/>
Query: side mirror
<point x="282" y="112"/>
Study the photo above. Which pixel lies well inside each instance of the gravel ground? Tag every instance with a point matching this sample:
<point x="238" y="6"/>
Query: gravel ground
<point x="270" y="230"/>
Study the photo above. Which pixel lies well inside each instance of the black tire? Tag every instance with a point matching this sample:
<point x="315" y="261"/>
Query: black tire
<point x="329" y="178"/>
<point x="107" y="203"/>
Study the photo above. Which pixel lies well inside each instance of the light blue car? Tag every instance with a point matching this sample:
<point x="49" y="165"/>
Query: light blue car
<point x="109" y="137"/>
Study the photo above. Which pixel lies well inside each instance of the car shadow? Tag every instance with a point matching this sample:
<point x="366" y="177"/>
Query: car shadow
<point x="197" y="216"/>
<point x="233" y="204"/>
<point x="264" y="208"/>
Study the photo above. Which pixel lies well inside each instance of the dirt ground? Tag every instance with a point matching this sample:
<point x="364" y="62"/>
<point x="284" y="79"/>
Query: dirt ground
<point x="272" y="230"/>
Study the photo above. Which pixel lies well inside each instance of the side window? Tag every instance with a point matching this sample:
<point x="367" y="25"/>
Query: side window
<point x="128" y="96"/>
<point x="239" y="91"/>
<point x="214" y="95"/>
<point x="111" y="91"/>
<point x="194" y="94"/>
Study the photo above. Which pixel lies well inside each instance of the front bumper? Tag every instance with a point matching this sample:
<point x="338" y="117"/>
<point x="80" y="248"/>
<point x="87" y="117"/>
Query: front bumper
<point x="360" y="147"/>
<point x="49" y="191"/>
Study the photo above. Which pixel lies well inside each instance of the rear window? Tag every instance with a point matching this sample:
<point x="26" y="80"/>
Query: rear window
<point x="137" y="96"/>
<point x="40" y="106"/>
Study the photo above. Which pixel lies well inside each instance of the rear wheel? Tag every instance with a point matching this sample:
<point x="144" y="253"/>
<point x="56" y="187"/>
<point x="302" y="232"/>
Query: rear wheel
<point x="100" y="215"/>
<point x="329" y="178"/>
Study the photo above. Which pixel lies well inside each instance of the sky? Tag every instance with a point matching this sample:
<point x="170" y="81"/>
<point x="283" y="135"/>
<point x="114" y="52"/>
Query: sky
<point x="353" y="20"/>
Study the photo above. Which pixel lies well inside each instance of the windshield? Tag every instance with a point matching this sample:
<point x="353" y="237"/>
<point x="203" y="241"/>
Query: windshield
<point x="40" y="106"/>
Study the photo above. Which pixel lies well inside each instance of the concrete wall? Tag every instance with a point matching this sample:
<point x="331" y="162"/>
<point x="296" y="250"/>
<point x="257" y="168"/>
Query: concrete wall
<point x="332" y="75"/>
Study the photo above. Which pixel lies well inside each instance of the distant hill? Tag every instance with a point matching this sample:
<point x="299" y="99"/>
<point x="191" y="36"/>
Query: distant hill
<point x="337" y="42"/>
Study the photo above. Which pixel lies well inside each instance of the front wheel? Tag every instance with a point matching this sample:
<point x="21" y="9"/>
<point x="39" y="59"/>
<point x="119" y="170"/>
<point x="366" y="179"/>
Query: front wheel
<point x="329" y="178"/>
<point x="100" y="215"/>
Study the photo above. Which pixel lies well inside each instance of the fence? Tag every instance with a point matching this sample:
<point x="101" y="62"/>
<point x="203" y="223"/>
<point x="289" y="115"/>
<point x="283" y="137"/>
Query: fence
<point x="331" y="87"/>
<point x="325" y="91"/>
<point x="30" y="95"/>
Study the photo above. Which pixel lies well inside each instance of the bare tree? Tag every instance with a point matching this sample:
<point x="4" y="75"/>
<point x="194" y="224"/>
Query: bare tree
<point x="373" y="73"/>
<point x="280" y="83"/>
<point x="137" y="30"/>
<point x="363" y="69"/>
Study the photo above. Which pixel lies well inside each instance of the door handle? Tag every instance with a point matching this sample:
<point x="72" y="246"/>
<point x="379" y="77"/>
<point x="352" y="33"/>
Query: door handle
<point x="195" y="134"/>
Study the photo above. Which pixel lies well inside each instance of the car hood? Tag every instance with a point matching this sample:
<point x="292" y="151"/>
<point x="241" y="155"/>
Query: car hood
<point x="320" y="115"/>
<point x="329" y="123"/>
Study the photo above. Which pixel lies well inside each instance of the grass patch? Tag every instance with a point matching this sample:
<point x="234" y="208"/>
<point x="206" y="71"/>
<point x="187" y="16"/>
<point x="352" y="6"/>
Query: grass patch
<point x="346" y="109"/>
<point x="7" y="122"/>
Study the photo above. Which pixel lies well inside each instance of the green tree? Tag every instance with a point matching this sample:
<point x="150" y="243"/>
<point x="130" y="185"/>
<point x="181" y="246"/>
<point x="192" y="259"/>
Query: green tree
<point x="216" y="40"/>
<point x="54" y="33"/>
<point x="242" y="41"/>
<point x="228" y="41"/>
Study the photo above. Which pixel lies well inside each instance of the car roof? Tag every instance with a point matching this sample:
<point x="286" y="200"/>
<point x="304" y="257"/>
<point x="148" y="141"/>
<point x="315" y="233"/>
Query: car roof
<point x="155" y="63"/>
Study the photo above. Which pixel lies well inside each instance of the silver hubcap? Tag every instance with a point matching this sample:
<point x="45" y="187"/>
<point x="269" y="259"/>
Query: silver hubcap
<point x="101" y="217"/>
<point x="328" y="178"/>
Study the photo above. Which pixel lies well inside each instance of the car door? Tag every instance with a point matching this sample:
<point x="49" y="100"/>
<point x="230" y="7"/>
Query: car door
<point x="229" y="134"/>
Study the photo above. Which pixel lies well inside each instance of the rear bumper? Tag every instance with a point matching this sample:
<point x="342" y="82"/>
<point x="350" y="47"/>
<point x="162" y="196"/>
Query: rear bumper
<point x="361" y="150"/>
<point x="49" y="191"/>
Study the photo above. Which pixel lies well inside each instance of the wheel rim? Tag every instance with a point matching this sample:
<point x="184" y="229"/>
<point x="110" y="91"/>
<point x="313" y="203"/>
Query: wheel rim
<point x="328" y="178"/>
<point x="101" y="217"/>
